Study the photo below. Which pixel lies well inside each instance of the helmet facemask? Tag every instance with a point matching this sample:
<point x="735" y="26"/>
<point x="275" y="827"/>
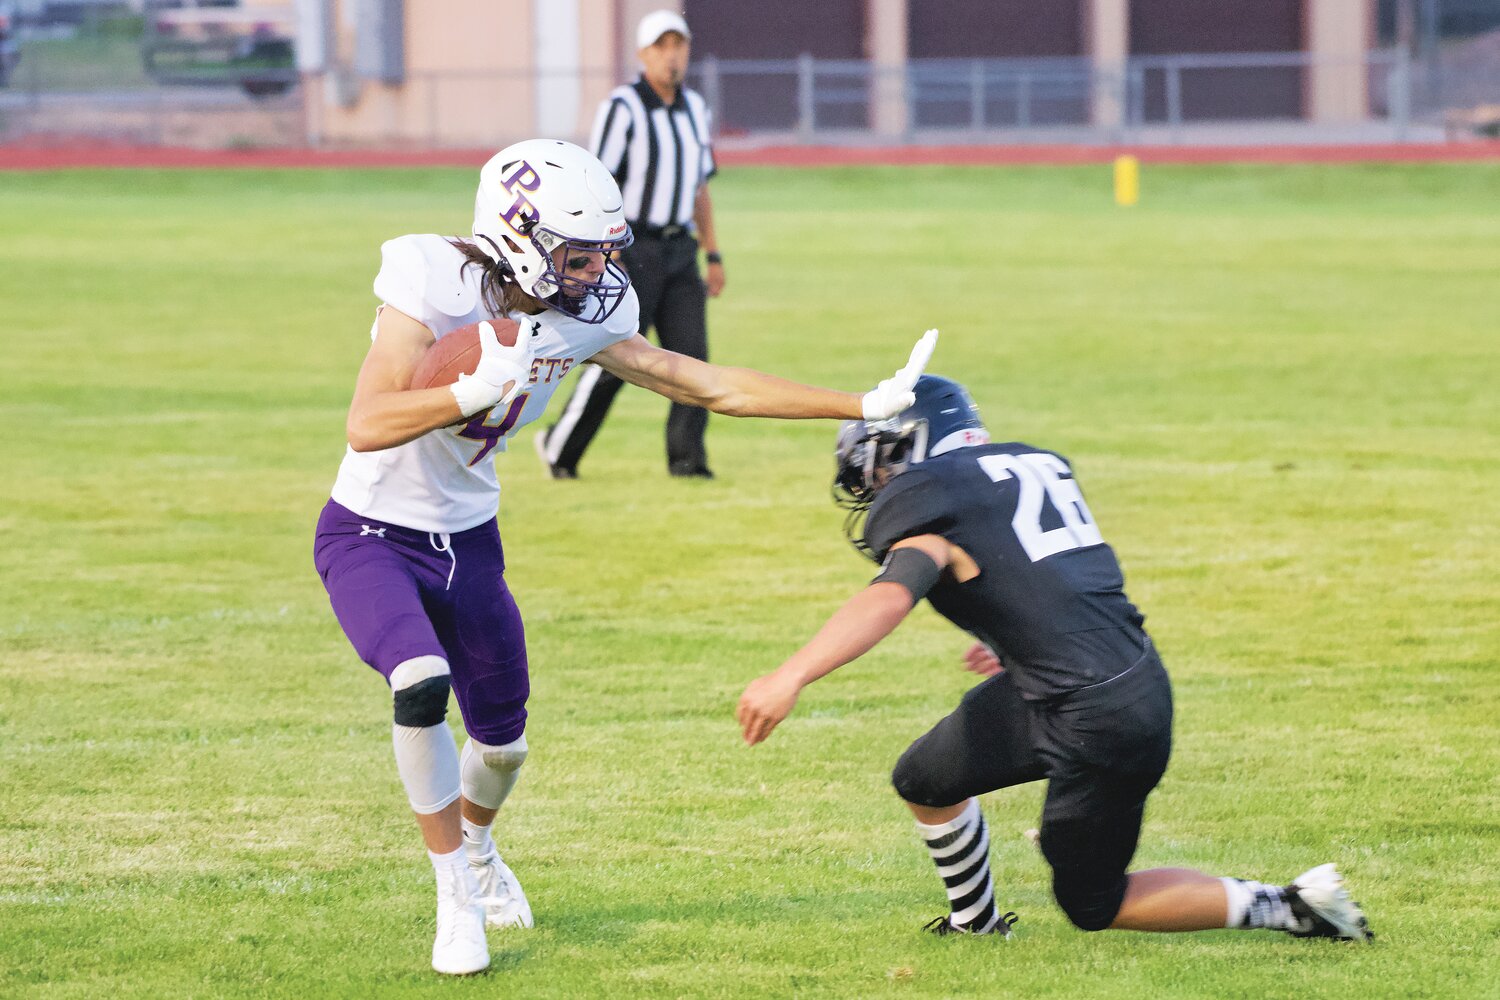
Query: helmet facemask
<point x="585" y="300"/>
<point x="869" y="455"/>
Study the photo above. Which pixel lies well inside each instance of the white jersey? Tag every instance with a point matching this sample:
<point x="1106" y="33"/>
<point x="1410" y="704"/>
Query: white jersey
<point x="444" y="481"/>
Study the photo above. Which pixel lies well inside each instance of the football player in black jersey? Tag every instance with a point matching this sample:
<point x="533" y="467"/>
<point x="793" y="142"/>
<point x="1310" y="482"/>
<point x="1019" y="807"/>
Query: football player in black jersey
<point x="999" y="539"/>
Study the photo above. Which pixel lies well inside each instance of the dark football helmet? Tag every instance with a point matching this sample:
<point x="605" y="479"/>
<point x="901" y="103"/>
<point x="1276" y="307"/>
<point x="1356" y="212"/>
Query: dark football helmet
<point x="870" y="453"/>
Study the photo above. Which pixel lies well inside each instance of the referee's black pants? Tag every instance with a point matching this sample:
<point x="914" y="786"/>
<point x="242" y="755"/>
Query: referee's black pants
<point x="664" y="271"/>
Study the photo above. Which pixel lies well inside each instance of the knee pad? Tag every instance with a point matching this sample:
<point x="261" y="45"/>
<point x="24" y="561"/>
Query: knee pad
<point x="920" y="780"/>
<point x="426" y="756"/>
<point x="507" y="759"/>
<point x="420" y="689"/>
<point x="489" y="773"/>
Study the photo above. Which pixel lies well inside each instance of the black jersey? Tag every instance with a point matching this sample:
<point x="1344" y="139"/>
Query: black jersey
<point x="1049" y="598"/>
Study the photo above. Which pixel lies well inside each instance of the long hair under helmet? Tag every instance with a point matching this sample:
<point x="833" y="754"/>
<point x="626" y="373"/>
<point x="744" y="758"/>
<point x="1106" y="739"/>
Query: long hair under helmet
<point x="870" y="453"/>
<point x="541" y="194"/>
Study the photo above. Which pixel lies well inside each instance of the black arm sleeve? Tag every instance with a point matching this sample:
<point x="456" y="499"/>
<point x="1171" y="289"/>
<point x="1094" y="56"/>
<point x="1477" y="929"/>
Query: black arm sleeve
<point x="913" y="569"/>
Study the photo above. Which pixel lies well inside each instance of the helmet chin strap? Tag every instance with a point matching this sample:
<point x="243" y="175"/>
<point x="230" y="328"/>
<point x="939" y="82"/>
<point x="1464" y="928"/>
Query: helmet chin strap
<point x="920" y="451"/>
<point x="495" y="253"/>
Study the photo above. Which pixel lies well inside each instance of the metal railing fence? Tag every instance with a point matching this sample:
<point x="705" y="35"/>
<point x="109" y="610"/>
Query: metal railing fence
<point x="810" y="97"/>
<point x="100" y="88"/>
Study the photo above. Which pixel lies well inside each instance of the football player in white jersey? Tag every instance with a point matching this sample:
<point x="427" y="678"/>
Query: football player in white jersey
<point x="408" y="547"/>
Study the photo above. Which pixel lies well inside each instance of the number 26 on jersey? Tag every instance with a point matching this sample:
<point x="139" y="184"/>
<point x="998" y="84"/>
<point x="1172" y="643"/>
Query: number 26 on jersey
<point x="1039" y="474"/>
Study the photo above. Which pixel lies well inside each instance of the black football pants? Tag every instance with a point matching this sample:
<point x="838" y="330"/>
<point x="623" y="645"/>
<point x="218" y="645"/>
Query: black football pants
<point x="674" y="302"/>
<point x="1102" y="750"/>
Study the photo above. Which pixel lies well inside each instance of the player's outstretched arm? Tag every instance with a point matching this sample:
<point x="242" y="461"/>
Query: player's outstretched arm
<point x="744" y="392"/>
<point x="865" y="619"/>
<point x="911" y="569"/>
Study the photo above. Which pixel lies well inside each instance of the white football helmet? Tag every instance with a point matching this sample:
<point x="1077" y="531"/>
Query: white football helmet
<point x="540" y="194"/>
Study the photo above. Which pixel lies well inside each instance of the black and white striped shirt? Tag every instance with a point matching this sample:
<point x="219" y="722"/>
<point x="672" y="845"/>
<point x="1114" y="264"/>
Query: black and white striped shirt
<point x="660" y="155"/>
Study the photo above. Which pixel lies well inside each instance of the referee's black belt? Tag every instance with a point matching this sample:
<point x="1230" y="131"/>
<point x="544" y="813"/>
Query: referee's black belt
<point x="671" y="232"/>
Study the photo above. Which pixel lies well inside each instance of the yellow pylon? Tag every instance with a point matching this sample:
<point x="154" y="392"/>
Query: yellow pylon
<point x="1127" y="180"/>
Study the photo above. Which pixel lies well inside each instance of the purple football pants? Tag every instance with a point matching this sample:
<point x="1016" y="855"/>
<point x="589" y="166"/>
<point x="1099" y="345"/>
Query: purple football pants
<point x="400" y="593"/>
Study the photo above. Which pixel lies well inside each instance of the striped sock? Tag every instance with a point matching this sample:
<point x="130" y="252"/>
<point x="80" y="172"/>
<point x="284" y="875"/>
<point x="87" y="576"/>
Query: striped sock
<point x="1254" y="906"/>
<point x="961" y="850"/>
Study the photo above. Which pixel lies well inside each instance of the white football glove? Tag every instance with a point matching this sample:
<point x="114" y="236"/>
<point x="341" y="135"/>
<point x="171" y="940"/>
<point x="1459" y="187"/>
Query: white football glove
<point x="498" y="366"/>
<point x="894" y="394"/>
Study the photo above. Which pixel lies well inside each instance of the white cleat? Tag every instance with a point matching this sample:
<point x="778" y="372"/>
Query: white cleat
<point x="459" y="948"/>
<point x="1323" y="908"/>
<point x="500" y="893"/>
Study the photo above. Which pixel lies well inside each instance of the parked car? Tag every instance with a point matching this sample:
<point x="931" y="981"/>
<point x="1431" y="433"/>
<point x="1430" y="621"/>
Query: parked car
<point x="10" y="49"/>
<point x="221" y="42"/>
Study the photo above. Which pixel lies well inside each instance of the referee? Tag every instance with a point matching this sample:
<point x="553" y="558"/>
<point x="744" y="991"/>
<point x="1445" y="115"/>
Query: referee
<point x="653" y="135"/>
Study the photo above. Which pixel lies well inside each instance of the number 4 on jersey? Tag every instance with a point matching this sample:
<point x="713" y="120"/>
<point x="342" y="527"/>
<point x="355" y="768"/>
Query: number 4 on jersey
<point x="490" y="426"/>
<point x="1038" y="473"/>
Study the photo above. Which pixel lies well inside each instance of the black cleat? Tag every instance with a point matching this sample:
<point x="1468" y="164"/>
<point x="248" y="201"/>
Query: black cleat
<point x="942" y="927"/>
<point x="558" y="472"/>
<point x="1323" y="907"/>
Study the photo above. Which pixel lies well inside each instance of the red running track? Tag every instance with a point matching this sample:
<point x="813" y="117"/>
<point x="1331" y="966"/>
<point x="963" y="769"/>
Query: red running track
<point x="92" y="154"/>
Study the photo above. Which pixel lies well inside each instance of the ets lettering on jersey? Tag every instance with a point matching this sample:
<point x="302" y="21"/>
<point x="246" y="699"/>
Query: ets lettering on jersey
<point x="556" y="369"/>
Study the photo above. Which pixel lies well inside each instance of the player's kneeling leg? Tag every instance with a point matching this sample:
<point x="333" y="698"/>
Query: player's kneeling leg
<point x="1090" y="906"/>
<point x="489" y="774"/>
<point x="1088" y="892"/>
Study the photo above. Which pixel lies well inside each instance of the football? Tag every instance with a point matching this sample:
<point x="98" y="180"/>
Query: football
<point x="458" y="353"/>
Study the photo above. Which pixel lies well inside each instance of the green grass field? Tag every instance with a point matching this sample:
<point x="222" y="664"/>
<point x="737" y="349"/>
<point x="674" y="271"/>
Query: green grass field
<point x="1278" y="386"/>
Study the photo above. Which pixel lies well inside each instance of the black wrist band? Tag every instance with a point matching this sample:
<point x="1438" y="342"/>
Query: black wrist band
<point x="713" y="257"/>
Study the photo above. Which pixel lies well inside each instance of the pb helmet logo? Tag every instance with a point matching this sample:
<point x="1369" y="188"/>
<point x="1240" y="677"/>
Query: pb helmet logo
<point x="521" y="215"/>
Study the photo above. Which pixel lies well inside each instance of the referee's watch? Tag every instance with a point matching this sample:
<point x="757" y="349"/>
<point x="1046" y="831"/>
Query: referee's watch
<point x="714" y="257"/>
